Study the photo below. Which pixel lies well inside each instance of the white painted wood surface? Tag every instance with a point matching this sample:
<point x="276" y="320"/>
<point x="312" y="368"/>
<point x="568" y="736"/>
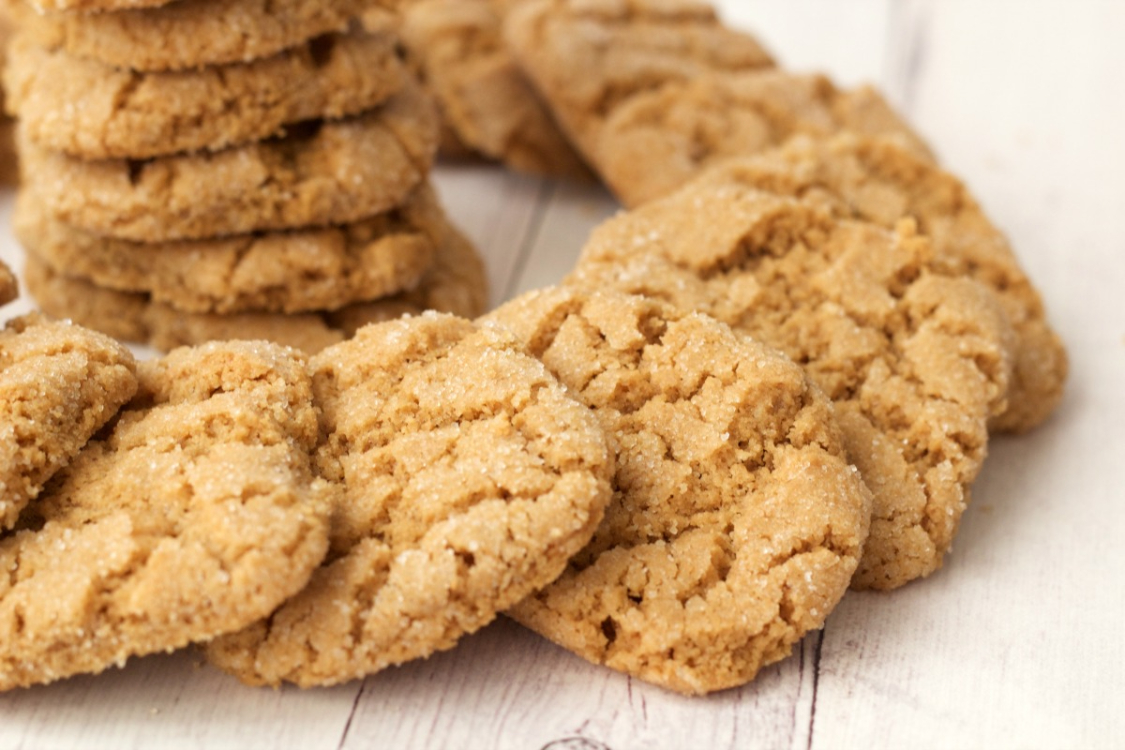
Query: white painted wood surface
<point x="1015" y="643"/>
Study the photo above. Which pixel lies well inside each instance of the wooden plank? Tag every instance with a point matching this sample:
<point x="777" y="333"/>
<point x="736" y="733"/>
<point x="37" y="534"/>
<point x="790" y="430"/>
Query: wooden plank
<point x="507" y="688"/>
<point x="171" y="701"/>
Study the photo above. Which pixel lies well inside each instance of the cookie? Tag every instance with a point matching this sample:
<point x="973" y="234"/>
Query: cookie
<point x="455" y="284"/>
<point x="9" y="287"/>
<point x="882" y="180"/>
<point x="736" y="521"/>
<point x="59" y="384"/>
<point x="188" y="34"/>
<point x="294" y="271"/>
<point x="587" y="59"/>
<point x="491" y="109"/>
<point x="91" y="110"/>
<point x="195" y="515"/>
<point x="658" y="140"/>
<point x="470" y="477"/>
<point x="319" y="173"/>
<point x="916" y="361"/>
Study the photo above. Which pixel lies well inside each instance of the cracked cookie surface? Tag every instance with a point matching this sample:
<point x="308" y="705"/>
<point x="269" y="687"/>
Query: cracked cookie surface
<point x="456" y="283"/>
<point x="736" y="522"/>
<point x="188" y="33"/>
<point x="883" y="180"/>
<point x="59" y="384"/>
<point x="91" y="110"/>
<point x="470" y="476"/>
<point x="194" y="514"/>
<point x="320" y="173"/>
<point x="294" y="271"/>
<point x="916" y="361"/>
<point x="660" y="139"/>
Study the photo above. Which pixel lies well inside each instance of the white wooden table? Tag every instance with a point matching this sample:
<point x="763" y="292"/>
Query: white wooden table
<point x="1015" y="643"/>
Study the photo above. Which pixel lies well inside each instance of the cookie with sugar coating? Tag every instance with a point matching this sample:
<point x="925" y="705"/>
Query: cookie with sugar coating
<point x="59" y="384"/>
<point x="915" y="359"/>
<point x="194" y="514"/>
<point x="91" y="110"/>
<point x="469" y="475"/>
<point x="325" y="172"/>
<point x="883" y="179"/>
<point x="736" y="521"/>
<point x="456" y="283"/>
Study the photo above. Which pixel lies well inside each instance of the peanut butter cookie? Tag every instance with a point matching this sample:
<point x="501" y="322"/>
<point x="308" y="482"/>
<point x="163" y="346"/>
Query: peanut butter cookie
<point x="883" y="180"/>
<point x="187" y="34"/>
<point x="59" y="384"/>
<point x="195" y="515"/>
<point x="91" y="110"/>
<point x="587" y="59"/>
<point x="736" y="521"/>
<point x="470" y="477"/>
<point x="292" y="271"/>
<point x="320" y="173"/>
<point x="456" y="284"/>
<point x="658" y="140"/>
<point x="916" y="360"/>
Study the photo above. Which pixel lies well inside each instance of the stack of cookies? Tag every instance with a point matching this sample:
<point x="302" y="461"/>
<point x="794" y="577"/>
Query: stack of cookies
<point x="208" y="170"/>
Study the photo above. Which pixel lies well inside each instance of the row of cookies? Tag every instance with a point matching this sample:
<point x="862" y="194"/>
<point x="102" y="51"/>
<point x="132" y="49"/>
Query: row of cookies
<point x="316" y="520"/>
<point x="273" y="180"/>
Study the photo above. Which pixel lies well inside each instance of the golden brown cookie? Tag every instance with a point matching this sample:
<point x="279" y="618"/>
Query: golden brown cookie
<point x="485" y="100"/>
<point x="915" y="359"/>
<point x="736" y="521"/>
<point x="59" y="384"/>
<point x="319" y="173"/>
<point x="91" y="110"/>
<point x="195" y="515"/>
<point x="292" y="271"/>
<point x="187" y="34"/>
<point x="470" y="477"/>
<point x="882" y="180"/>
<point x="588" y="58"/>
<point x="455" y="284"/>
<point x="658" y="140"/>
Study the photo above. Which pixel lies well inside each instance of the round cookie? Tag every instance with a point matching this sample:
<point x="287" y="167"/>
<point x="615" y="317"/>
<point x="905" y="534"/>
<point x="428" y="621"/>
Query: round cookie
<point x="916" y="361"/>
<point x="195" y="515"/>
<point x="486" y="102"/>
<point x="91" y="110"/>
<point x="736" y="521"/>
<point x="470" y="477"/>
<point x="883" y="180"/>
<point x="59" y="384"/>
<point x="586" y="59"/>
<point x="321" y="173"/>
<point x="188" y="34"/>
<point x="293" y="271"/>
<point x="455" y="284"/>
<point x="660" y="139"/>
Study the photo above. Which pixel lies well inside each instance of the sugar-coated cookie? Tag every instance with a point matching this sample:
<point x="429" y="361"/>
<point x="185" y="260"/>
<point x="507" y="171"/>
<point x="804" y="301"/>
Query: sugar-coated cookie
<point x="321" y="173"/>
<point x="196" y="514"/>
<point x="290" y="271"/>
<point x="59" y="384"/>
<point x="469" y="475"/>
<point x="916" y="360"/>
<point x="92" y="110"/>
<point x="456" y="283"/>
<point x="736" y="521"/>
<point x="883" y="180"/>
